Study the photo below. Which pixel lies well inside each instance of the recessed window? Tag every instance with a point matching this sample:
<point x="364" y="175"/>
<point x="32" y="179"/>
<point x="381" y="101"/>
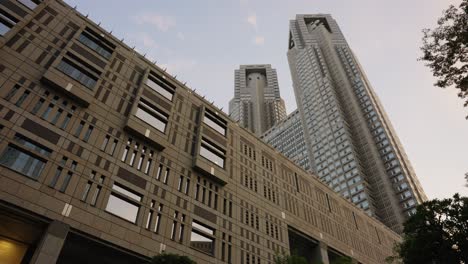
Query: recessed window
<point x="22" y="161"/>
<point x="216" y="123"/>
<point x="160" y="85"/>
<point x="160" y="88"/>
<point x="202" y="238"/>
<point x="124" y="203"/>
<point x="6" y="22"/>
<point x="151" y="115"/>
<point x="84" y="74"/>
<point x="212" y="153"/>
<point x="31" y="4"/>
<point x="95" y="42"/>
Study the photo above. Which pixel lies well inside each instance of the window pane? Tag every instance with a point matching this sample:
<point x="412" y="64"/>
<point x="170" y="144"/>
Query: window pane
<point x="211" y="156"/>
<point x="3" y="28"/>
<point x="122" y="208"/>
<point x="32" y="145"/>
<point x="94" y="45"/>
<point x="21" y="162"/>
<point x="202" y="228"/>
<point x="28" y="3"/>
<point x="152" y="120"/>
<point x="161" y="90"/>
<point x="207" y="120"/>
<point x="201" y="242"/>
<point x="127" y="192"/>
<point x="82" y="77"/>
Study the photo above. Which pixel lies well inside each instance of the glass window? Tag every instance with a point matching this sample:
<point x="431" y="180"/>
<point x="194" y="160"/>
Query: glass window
<point x="212" y="153"/>
<point x="160" y="88"/>
<point x="201" y="238"/>
<point x="75" y="72"/>
<point x="31" y="4"/>
<point x="32" y="145"/>
<point x="123" y="203"/>
<point x="94" y="44"/>
<point x="152" y="116"/>
<point x="214" y="122"/>
<point x="22" y="162"/>
<point x="6" y="22"/>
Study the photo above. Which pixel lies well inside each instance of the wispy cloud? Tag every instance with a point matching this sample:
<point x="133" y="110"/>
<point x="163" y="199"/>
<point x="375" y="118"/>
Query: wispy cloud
<point x="147" y="40"/>
<point x="180" y="36"/>
<point x="259" y="40"/>
<point x="162" y="23"/>
<point x="252" y="20"/>
<point x="179" y="65"/>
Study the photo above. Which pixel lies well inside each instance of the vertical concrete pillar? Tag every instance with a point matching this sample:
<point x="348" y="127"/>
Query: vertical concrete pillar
<point x="51" y="243"/>
<point x="320" y="254"/>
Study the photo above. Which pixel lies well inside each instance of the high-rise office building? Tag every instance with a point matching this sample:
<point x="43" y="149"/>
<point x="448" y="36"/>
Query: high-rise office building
<point x="288" y="138"/>
<point x="257" y="104"/>
<point x="106" y="158"/>
<point x="351" y="143"/>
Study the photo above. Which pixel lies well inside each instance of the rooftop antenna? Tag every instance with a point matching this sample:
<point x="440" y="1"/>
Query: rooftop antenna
<point x="122" y="40"/>
<point x="164" y="69"/>
<point x="74" y="7"/>
<point x="99" y="24"/>
<point x="175" y="76"/>
<point x="185" y="83"/>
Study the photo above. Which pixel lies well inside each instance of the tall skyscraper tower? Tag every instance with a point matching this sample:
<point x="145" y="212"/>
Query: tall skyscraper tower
<point x="257" y="104"/>
<point x="351" y="143"/>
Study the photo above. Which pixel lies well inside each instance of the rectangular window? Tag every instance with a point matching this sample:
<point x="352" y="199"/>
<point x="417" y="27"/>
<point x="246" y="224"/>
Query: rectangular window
<point x="65" y="122"/>
<point x="124" y="203"/>
<point x="160" y="85"/>
<point x="88" y="133"/>
<point x="57" y="174"/>
<point x="202" y="238"/>
<point x="78" y="73"/>
<point x="22" y="162"/>
<point x="96" y="43"/>
<point x="22" y="98"/>
<point x="6" y="22"/>
<point x="114" y="144"/>
<point x="212" y="153"/>
<point x="79" y="129"/>
<point x="216" y="123"/>
<point x="105" y="142"/>
<point x="37" y="106"/>
<point x="57" y="116"/>
<point x="31" y="4"/>
<point x="66" y="181"/>
<point x="152" y="116"/>
<point x="86" y="191"/>
<point x="160" y="88"/>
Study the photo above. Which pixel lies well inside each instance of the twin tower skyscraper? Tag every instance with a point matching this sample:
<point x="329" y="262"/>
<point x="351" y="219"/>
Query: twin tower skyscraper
<point x="340" y="131"/>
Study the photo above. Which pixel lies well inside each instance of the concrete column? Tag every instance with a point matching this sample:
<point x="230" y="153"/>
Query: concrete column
<point x="51" y="243"/>
<point x="320" y="253"/>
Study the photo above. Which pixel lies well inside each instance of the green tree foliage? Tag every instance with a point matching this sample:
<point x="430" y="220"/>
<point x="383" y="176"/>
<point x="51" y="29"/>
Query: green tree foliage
<point x="169" y="258"/>
<point x="342" y="260"/>
<point x="436" y="234"/>
<point x="445" y="49"/>
<point x="286" y="259"/>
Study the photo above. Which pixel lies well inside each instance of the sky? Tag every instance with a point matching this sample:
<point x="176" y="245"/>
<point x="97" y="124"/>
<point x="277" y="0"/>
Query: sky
<point x="203" y="41"/>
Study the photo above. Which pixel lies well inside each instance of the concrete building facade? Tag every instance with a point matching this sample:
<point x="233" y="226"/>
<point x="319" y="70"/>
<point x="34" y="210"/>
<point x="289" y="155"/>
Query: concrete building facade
<point x="106" y="158"/>
<point x="288" y="138"/>
<point x="351" y="143"/>
<point x="257" y="104"/>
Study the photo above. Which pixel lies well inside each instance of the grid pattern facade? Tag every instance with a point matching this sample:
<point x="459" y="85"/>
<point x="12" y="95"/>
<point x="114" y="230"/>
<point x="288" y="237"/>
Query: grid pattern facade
<point x="97" y="144"/>
<point x="257" y="104"/>
<point x="351" y="143"/>
<point x="288" y="138"/>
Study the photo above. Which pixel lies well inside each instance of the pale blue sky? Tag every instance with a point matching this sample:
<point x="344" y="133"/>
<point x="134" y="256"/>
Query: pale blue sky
<point x="203" y="41"/>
